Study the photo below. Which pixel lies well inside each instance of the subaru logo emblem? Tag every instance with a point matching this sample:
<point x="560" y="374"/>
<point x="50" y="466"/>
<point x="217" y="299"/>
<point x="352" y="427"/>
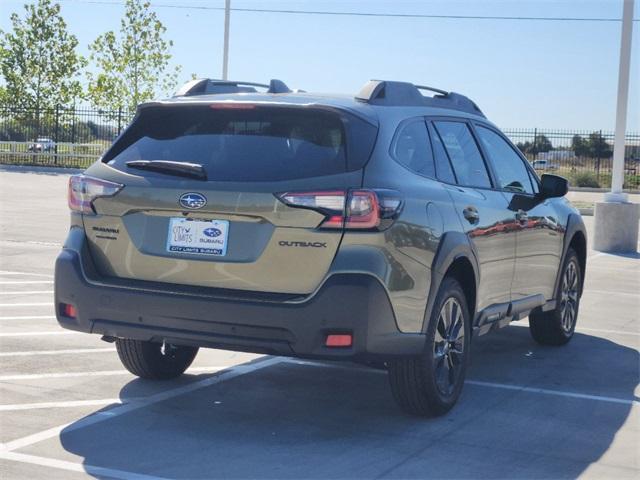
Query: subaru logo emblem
<point x="192" y="200"/>
<point x="212" y="232"/>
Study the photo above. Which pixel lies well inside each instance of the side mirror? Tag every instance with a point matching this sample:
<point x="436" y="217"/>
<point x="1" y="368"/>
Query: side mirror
<point x="553" y="186"/>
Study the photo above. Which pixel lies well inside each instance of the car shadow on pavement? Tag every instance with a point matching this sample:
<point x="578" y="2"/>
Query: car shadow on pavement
<point x="292" y="420"/>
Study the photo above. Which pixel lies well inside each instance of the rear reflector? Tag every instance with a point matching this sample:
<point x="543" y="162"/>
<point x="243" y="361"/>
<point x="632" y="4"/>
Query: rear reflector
<point x="69" y="310"/>
<point x="350" y="209"/>
<point x="339" y="340"/>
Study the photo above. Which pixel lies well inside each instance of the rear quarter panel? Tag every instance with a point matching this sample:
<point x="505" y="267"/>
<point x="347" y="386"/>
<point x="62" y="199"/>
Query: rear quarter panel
<point x="407" y="249"/>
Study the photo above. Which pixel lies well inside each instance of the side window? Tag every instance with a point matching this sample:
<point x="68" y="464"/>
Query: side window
<point x="464" y="154"/>
<point x="412" y="148"/>
<point x="510" y="169"/>
<point x="443" y="166"/>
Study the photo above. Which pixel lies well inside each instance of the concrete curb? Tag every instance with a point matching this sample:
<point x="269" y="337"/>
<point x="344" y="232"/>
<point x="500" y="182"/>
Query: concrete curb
<point x="599" y="190"/>
<point x="40" y="169"/>
<point x="586" y="212"/>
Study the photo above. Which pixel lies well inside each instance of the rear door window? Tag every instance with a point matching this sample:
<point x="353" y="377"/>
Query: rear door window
<point x="247" y="143"/>
<point x="412" y="149"/>
<point x="443" y="165"/>
<point x="465" y="156"/>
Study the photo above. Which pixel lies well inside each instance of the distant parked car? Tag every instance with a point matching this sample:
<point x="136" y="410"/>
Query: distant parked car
<point x="544" y="165"/>
<point x="42" y="144"/>
<point x="556" y="155"/>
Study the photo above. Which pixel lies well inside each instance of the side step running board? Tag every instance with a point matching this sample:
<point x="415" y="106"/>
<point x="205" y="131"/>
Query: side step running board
<point x="501" y="314"/>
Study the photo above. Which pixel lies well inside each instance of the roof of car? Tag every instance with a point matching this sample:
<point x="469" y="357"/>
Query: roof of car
<point x="375" y="95"/>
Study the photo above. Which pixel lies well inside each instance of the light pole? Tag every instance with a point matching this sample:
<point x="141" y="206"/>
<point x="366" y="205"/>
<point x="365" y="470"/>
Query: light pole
<point x="617" y="179"/>
<point x="225" y="54"/>
<point x="616" y="221"/>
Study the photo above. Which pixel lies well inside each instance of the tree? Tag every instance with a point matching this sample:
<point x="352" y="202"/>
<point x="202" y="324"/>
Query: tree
<point x="579" y="146"/>
<point x="133" y="65"/>
<point x="595" y="146"/>
<point x="38" y="60"/>
<point x="598" y="146"/>
<point x="541" y="144"/>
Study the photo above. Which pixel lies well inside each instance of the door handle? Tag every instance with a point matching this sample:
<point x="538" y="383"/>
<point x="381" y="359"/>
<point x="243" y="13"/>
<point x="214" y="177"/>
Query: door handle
<point x="471" y="214"/>
<point x="522" y="216"/>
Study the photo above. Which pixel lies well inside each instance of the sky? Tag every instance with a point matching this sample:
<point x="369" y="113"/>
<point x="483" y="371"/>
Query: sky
<point x="522" y="74"/>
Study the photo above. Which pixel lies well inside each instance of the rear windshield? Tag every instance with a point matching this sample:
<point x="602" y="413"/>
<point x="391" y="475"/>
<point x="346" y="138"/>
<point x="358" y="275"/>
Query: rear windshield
<point x="246" y="144"/>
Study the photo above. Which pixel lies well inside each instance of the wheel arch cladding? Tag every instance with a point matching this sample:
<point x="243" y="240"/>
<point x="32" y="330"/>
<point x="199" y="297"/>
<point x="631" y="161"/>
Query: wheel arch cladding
<point x="455" y="257"/>
<point x="576" y="238"/>
<point x="462" y="270"/>
<point x="579" y="244"/>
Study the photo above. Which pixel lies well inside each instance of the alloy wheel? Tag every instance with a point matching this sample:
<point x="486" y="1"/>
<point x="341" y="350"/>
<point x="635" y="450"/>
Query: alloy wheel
<point x="569" y="297"/>
<point x="448" y="347"/>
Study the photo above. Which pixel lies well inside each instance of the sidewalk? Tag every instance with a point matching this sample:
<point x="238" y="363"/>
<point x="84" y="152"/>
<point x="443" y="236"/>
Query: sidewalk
<point x="593" y="197"/>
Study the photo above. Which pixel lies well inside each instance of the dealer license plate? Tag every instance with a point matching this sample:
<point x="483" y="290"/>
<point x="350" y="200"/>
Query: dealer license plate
<point x="198" y="237"/>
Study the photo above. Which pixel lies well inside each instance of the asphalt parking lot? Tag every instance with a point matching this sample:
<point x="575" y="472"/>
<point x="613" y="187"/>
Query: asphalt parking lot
<point x="69" y="410"/>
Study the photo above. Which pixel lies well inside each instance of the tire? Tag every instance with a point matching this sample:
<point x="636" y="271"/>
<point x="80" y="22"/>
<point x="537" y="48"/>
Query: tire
<point x="427" y="385"/>
<point x="154" y="361"/>
<point x="556" y="326"/>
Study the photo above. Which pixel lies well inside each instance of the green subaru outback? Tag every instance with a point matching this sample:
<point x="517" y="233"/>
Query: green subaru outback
<point x="388" y="228"/>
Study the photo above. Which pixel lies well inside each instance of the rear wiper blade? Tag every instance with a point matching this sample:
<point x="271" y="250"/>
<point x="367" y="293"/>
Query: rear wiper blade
<point x="179" y="169"/>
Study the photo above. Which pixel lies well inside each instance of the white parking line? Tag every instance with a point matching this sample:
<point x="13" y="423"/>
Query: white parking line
<point x="32" y="242"/>
<point x="583" y="396"/>
<point x="5" y="272"/>
<point x="37" y="304"/>
<point x="31" y="292"/>
<point x="30" y="317"/>
<point x="100" y="472"/>
<point x="588" y="329"/>
<point x="37" y="334"/>
<point x="99" y="373"/>
<point x="25" y="282"/>
<point x="612" y="292"/>
<point x="135" y="405"/>
<point x="504" y="386"/>
<point x="69" y="404"/>
<point x="56" y="352"/>
<point x="39" y="376"/>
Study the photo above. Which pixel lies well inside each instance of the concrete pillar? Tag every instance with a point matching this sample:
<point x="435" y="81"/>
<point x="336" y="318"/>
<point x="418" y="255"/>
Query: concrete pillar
<point x="616" y="221"/>
<point x="616" y="227"/>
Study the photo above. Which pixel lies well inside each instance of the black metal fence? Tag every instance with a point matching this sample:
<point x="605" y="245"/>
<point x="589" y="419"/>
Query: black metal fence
<point x="65" y="137"/>
<point x="584" y="157"/>
<point x="76" y="137"/>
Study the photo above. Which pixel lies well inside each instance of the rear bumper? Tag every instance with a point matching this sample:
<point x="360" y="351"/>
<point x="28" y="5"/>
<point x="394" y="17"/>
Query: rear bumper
<point x="346" y="303"/>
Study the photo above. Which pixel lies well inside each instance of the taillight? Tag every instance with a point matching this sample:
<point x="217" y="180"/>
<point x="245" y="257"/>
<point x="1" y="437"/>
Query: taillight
<point x="350" y="209"/>
<point x="83" y="190"/>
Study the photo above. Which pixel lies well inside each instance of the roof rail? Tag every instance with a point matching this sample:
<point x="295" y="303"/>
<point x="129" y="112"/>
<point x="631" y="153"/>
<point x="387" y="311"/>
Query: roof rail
<point x="396" y="94"/>
<point x="209" y="86"/>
